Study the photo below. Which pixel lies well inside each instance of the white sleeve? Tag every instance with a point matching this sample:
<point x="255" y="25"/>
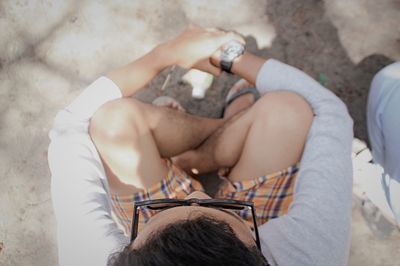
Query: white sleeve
<point x="316" y="230"/>
<point x="87" y="235"/>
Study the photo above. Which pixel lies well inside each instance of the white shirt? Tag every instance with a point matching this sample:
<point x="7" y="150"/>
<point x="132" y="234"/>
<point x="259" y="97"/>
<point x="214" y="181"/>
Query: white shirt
<point x="87" y="235"/>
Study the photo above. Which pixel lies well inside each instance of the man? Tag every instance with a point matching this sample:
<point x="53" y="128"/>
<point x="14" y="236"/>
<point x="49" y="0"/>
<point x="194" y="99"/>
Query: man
<point x="103" y="146"/>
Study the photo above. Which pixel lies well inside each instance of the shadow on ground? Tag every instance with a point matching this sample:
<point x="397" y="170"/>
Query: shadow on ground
<point x="50" y="50"/>
<point x="305" y="38"/>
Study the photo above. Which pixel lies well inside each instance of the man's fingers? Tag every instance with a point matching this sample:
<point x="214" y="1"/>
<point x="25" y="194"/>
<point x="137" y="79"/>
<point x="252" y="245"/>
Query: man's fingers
<point x="206" y="66"/>
<point x="214" y="58"/>
<point x="223" y="171"/>
<point x="216" y="71"/>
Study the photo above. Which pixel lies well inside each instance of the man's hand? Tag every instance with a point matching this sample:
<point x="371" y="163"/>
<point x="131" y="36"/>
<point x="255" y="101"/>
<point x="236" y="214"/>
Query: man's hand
<point x="191" y="49"/>
<point x="194" y="47"/>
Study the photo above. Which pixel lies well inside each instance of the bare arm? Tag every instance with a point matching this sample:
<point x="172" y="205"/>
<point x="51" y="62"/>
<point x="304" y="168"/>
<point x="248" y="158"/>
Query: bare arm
<point x="135" y="75"/>
<point x="191" y="49"/>
<point x="247" y="66"/>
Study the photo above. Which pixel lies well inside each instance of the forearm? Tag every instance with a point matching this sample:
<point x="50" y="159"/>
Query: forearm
<point x="248" y="66"/>
<point x="137" y="74"/>
<point x="192" y="48"/>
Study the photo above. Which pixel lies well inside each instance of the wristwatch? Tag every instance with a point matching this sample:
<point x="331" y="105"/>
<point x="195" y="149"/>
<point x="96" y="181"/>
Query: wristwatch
<point x="230" y="51"/>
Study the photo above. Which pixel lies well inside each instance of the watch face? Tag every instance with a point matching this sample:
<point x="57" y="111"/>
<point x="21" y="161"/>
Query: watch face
<point x="231" y="50"/>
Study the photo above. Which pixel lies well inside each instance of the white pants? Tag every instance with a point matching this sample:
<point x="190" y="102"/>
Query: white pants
<point x="383" y="118"/>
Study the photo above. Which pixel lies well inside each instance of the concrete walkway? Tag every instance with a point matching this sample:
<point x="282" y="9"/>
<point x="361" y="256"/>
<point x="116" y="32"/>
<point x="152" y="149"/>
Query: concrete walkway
<point x="50" y="50"/>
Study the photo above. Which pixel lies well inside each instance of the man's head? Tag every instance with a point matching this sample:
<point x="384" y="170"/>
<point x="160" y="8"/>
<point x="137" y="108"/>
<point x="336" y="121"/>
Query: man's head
<point x="192" y="235"/>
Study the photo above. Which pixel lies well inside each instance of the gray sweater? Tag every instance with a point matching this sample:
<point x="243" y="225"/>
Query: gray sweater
<point x="316" y="231"/>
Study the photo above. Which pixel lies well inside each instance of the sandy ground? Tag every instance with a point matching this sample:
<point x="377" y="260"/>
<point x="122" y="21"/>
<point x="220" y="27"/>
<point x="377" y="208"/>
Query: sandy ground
<point x="50" y="50"/>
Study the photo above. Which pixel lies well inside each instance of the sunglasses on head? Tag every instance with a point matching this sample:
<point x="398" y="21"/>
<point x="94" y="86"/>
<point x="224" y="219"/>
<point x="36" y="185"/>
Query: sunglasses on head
<point x="164" y="204"/>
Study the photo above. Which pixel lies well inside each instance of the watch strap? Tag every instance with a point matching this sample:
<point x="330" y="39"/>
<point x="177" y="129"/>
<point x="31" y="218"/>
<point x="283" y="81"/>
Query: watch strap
<point x="226" y="66"/>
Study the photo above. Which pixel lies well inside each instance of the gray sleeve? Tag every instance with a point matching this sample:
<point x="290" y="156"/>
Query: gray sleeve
<point x="316" y="230"/>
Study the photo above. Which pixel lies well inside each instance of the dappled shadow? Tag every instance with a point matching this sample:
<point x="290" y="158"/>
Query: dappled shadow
<point x="306" y="39"/>
<point x="31" y="46"/>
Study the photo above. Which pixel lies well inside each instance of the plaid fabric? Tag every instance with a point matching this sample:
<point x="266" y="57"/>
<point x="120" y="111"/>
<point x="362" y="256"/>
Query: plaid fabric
<point x="271" y="195"/>
<point x="176" y="185"/>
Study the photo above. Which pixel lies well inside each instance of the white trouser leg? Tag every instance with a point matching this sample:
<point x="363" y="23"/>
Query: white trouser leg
<point x="383" y="118"/>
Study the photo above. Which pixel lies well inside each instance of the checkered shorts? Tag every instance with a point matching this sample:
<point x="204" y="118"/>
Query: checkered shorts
<point x="271" y="195"/>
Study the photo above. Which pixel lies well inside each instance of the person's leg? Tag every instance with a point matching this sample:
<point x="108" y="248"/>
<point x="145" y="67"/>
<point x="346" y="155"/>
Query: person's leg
<point x="384" y="131"/>
<point x="384" y="88"/>
<point x="267" y="137"/>
<point x="132" y="138"/>
<point x="391" y="133"/>
<point x="276" y="137"/>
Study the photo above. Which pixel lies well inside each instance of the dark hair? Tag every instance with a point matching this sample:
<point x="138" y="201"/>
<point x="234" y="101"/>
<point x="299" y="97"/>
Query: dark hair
<point x="200" y="241"/>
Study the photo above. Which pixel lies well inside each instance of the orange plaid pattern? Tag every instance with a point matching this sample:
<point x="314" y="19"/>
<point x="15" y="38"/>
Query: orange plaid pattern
<point x="176" y="185"/>
<point x="271" y="195"/>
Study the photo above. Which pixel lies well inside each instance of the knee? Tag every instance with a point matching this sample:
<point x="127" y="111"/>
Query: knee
<point x="116" y="120"/>
<point x="390" y="72"/>
<point x="283" y="109"/>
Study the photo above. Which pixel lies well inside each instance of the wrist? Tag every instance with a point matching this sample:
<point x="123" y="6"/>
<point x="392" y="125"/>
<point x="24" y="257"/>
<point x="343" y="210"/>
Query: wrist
<point x="225" y="57"/>
<point x="237" y="63"/>
<point x="247" y="66"/>
<point x="240" y="63"/>
<point x="215" y="58"/>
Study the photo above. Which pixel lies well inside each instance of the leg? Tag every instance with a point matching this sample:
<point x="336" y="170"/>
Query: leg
<point x="391" y="133"/>
<point x="132" y="138"/>
<point x="384" y="132"/>
<point x="276" y="137"/>
<point x="267" y="137"/>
